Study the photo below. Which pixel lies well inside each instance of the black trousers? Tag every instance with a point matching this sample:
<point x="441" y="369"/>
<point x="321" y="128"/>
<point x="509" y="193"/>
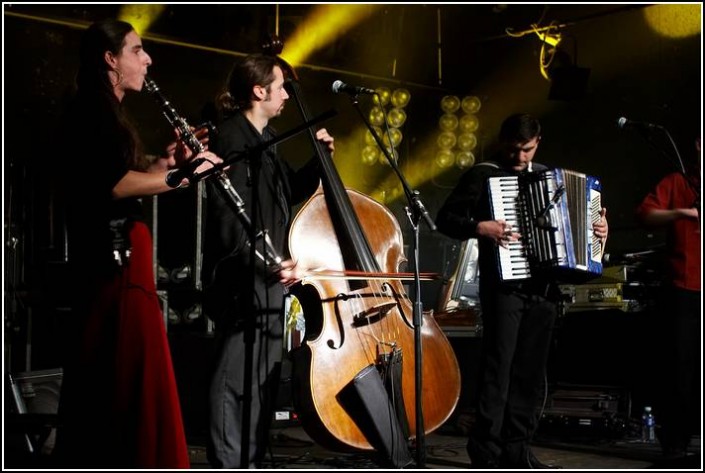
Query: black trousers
<point x="226" y="392"/>
<point x="678" y="406"/>
<point x="516" y="338"/>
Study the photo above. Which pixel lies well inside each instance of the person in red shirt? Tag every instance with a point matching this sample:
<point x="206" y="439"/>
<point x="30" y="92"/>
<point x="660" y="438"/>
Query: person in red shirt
<point x="675" y="204"/>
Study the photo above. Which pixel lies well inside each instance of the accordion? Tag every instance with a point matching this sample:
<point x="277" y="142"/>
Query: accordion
<point x="554" y="212"/>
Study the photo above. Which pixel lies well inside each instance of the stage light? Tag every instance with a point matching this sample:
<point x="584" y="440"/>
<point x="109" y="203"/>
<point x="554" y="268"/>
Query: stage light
<point x="448" y="122"/>
<point x="568" y="81"/>
<point x="376" y="116"/>
<point x="450" y="104"/>
<point x="391" y="134"/>
<point x="392" y="152"/>
<point x="550" y="38"/>
<point x="369" y="139"/>
<point x="140" y="16"/>
<point x="675" y="21"/>
<point x="382" y="97"/>
<point x="400" y="98"/>
<point x="467" y="141"/>
<point x="370" y="155"/>
<point x="446" y="140"/>
<point x="471" y="104"/>
<point x="396" y="135"/>
<point x="457" y="137"/>
<point x="469" y="123"/>
<point x="396" y="117"/>
<point x="444" y="158"/>
<point x="321" y="27"/>
<point x="465" y="159"/>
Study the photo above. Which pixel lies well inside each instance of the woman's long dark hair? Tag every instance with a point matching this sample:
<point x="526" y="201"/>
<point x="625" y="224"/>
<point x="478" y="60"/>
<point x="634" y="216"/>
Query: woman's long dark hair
<point x="94" y="84"/>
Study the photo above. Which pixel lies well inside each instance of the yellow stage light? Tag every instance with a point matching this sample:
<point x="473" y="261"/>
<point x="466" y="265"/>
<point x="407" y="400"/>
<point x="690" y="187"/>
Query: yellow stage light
<point x="551" y="39"/>
<point x="382" y="97"/>
<point x="468" y="123"/>
<point x="140" y="16"/>
<point x="322" y="27"/>
<point x="444" y="158"/>
<point x="465" y="159"/>
<point x="448" y="122"/>
<point x="376" y="116"/>
<point x="370" y="155"/>
<point x="401" y="98"/>
<point x="369" y="139"/>
<point x="392" y="152"/>
<point x="396" y="117"/>
<point x="676" y="20"/>
<point x="446" y="140"/>
<point x="450" y="104"/>
<point x="467" y="141"/>
<point x="396" y="137"/>
<point x="471" y="104"/>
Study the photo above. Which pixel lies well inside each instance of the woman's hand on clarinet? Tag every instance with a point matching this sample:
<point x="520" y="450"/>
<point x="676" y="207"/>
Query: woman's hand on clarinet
<point x="324" y="137"/>
<point x="178" y="152"/>
<point x="186" y="171"/>
<point x="175" y="154"/>
<point x="211" y="159"/>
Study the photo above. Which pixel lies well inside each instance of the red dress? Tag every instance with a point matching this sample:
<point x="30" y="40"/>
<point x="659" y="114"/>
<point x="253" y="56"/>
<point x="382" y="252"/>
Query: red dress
<point x="120" y="405"/>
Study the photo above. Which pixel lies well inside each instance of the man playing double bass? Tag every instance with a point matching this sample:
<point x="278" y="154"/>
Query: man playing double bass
<point x="235" y="286"/>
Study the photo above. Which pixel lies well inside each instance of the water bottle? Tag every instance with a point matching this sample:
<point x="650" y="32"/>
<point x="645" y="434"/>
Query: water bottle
<point x="648" y="426"/>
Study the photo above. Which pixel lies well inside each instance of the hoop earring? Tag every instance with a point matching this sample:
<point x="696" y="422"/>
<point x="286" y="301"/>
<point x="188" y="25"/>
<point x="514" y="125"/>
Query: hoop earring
<point x="119" y="77"/>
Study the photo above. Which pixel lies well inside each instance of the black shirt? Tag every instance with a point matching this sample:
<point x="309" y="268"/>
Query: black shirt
<point x="226" y="256"/>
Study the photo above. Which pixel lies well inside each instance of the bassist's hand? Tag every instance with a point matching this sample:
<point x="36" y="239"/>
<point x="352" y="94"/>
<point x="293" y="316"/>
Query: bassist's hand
<point x="290" y="273"/>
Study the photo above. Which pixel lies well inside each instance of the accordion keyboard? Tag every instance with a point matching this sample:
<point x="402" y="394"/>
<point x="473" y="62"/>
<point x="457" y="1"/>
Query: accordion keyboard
<point x="504" y="195"/>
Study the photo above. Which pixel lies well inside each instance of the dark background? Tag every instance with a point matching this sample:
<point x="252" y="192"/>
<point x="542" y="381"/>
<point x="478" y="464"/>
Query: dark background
<point x="634" y="72"/>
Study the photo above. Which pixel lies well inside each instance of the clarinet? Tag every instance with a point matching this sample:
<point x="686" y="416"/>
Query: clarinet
<point x="271" y="258"/>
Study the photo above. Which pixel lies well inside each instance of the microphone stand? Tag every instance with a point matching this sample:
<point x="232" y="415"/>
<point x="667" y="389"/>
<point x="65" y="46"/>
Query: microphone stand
<point x="415" y="211"/>
<point x="250" y="328"/>
<point x="263" y="146"/>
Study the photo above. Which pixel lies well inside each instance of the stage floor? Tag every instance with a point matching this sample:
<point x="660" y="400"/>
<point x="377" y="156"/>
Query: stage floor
<point x="292" y="448"/>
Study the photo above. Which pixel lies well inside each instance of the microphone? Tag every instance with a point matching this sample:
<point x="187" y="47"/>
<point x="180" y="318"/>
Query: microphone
<point x="187" y="171"/>
<point x="623" y="123"/>
<point x="340" y="86"/>
<point x="616" y="258"/>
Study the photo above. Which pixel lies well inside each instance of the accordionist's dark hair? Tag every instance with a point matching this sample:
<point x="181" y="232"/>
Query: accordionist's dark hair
<point x="519" y="128"/>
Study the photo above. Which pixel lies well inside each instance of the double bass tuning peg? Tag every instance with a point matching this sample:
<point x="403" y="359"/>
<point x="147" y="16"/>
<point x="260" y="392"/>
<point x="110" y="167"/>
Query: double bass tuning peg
<point x="272" y="45"/>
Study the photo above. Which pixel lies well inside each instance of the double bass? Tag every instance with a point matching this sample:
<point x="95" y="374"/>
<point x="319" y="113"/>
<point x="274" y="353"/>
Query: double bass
<point x="357" y="325"/>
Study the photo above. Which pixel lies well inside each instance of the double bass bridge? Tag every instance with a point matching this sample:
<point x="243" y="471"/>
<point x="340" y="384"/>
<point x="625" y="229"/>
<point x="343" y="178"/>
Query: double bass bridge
<point x="373" y="313"/>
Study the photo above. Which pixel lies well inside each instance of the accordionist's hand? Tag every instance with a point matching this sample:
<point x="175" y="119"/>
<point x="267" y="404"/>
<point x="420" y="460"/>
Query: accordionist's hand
<point x="600" y="228"/>
<point x="498" y="231"/>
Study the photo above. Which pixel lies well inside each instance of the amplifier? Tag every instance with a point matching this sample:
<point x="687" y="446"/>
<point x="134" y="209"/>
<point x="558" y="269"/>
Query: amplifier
<point x="586" y="411"/>
<point x="594" y="296"/>
<point x="601" y="293"/>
